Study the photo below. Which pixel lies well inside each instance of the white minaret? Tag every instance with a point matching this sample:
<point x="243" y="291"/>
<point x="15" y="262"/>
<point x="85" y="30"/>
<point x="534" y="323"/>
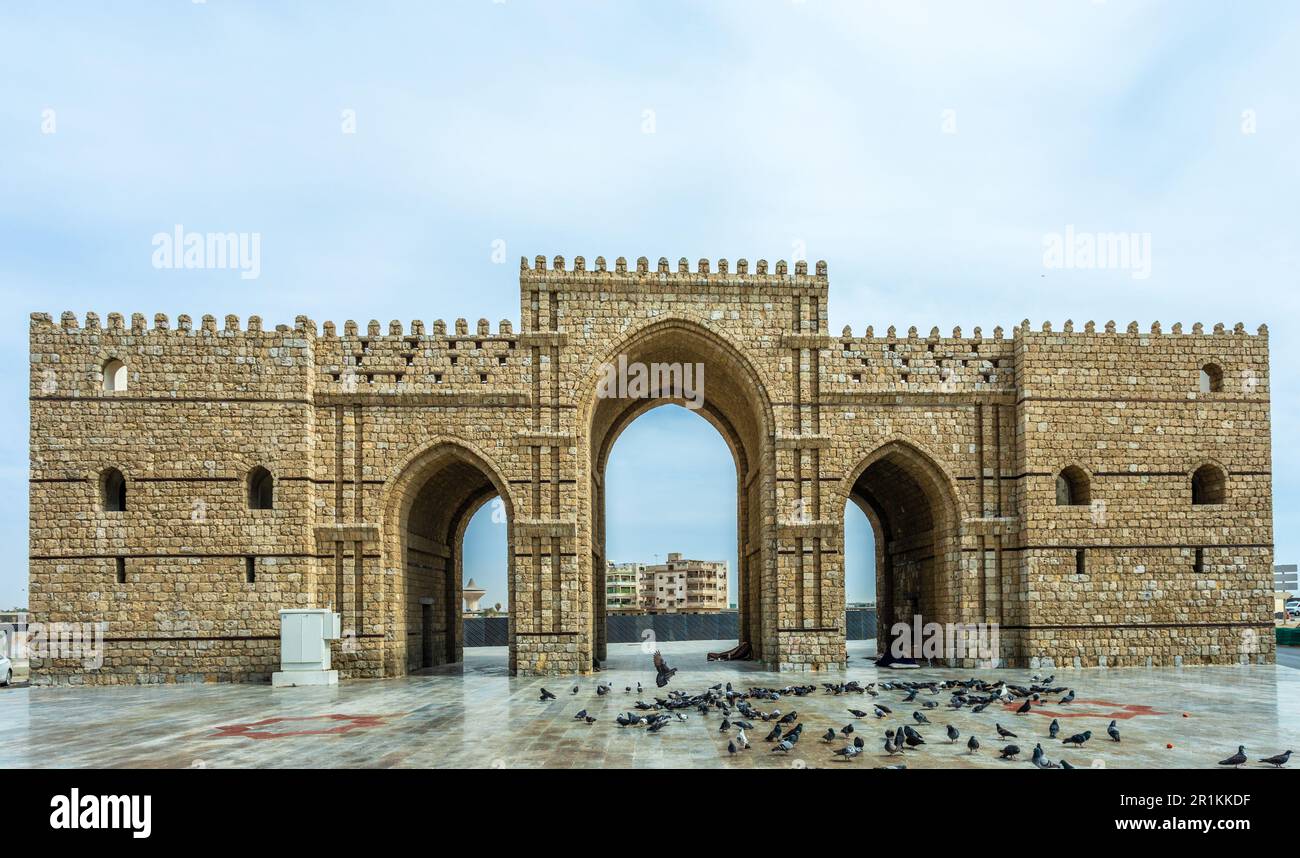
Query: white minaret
<point x="472" y="593"/>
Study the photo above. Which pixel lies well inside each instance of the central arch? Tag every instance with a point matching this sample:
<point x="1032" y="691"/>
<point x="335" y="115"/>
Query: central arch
<point x="735" y="401"/>
<point x="429" y="505"/>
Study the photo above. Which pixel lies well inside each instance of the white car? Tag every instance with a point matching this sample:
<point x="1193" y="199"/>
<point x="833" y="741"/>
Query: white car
<point x="6" y="670"/>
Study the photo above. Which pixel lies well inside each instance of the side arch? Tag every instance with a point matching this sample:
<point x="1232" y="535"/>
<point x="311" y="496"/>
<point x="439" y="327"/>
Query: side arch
<point x="914" y="508"/>
<point x="429" y="499"/>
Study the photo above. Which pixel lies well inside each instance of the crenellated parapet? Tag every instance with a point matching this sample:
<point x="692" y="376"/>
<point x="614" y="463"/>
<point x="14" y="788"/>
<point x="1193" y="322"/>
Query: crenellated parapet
<point x="721" y="271"/>
<point x="396" y="359"/>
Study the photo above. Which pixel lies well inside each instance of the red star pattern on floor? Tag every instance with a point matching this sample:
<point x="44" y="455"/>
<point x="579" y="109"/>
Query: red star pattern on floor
<point x="1080" y="708"/>
<point x="272" y="728"/>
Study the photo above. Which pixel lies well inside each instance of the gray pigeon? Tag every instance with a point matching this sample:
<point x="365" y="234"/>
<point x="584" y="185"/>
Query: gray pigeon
<point x="1236" y="759"/>
<point x="1113" y="731"/>
<point x="953" y="735"/>
<point x="1279" y="760"/>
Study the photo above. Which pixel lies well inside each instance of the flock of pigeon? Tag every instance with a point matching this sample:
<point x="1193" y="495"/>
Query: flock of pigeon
<point x="739" y="712"/>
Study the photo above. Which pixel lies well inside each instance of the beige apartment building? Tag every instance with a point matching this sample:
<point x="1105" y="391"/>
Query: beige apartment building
<point x="684" y="585"/>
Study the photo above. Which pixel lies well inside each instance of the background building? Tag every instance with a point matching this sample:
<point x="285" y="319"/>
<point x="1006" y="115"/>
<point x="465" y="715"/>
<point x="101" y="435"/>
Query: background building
<point x="472" y="594"/>
<point x="622" y="582"/>
<point x="684" y="585"/>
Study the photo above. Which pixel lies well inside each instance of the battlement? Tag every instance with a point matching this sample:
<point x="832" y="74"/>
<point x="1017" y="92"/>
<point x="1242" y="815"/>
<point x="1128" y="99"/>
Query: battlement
<point x="721" y="270"/>
<point x="90" y="323"/>
<point x="1025" y="327"/>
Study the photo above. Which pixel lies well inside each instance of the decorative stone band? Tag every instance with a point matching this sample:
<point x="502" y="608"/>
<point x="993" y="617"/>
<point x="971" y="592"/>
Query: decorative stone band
<point x="528" y="528"/>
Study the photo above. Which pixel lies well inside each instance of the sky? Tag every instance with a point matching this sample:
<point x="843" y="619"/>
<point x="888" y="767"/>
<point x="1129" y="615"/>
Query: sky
<point x="397" y="162"/>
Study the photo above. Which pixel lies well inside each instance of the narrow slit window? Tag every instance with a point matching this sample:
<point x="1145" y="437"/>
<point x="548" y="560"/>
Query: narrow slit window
<point x="120" y="563"/>
<point x="1080" y="561"/>
<point x="250" y="569"/>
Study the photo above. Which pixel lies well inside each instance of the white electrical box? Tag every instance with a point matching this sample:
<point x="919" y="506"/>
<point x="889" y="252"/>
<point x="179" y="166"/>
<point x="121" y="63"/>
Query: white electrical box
<point x="305" y="635"/>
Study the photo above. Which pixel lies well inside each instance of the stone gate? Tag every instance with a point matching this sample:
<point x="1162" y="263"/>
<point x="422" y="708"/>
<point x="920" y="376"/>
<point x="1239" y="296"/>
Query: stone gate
<point x="1102" y="495"/>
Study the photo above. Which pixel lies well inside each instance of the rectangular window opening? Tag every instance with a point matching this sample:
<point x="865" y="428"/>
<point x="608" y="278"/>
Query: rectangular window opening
<point x="121" y="570"/>
<point x="1080" y="562"/>
<point x="250" y="569"/>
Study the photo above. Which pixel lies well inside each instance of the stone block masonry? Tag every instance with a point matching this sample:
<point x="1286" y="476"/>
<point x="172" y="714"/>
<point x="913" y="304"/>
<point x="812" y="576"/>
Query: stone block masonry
<point x="1103" y="495"/>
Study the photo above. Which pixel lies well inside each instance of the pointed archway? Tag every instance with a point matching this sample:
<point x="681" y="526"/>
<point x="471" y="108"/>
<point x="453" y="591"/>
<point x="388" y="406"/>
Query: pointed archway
<point x="915" y="519"/>
<point x="429" y="506"/>
<point x="731" y="397"/>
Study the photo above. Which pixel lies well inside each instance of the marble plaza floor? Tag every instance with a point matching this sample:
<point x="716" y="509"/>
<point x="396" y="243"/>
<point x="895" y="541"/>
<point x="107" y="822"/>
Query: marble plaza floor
<point x="475" y="715"/>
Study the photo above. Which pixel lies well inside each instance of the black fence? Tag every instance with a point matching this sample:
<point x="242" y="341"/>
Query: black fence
<point x="487" y="631"/>
<point x="632" y="628"/>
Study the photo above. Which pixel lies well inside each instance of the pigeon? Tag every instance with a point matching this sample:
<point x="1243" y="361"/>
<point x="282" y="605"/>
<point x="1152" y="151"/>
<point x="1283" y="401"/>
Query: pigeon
<point x="1010" y="751"/>
<point x="1113" y="731"/>
<point x="1065" y="764"/>
<point x="953" y="735"/>
<point x="830" y="735"/>
<point x="1278" y="760"/>
<point x="1053" y="729"/>
<point x="663" y="671"/>
<point x="546" y="695"/>
<point x="742" y="740"/>
<point x="1236" y="759"/>
<point x="973" y="744"/>
<point x="1068" y="698"/>
<point x="1024" y="708"/>
<point x="858" y="713"/>
<point x="846" y="730"/>
<point x="774" y="735"/>
<point x="1079" y="738"/>
<point x="575" y="689"/>
<point x="920" y="719"/>
<point x="582" y="713"/>
<point x="602" y="690"/>
<point x="890" y="747"/>
<point x="785" y="747"/>
<point x="724" y="726"/>
<point x="1004" y="733"/>
<point x="848" y="752"/>
<point x="731" y="747"/>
